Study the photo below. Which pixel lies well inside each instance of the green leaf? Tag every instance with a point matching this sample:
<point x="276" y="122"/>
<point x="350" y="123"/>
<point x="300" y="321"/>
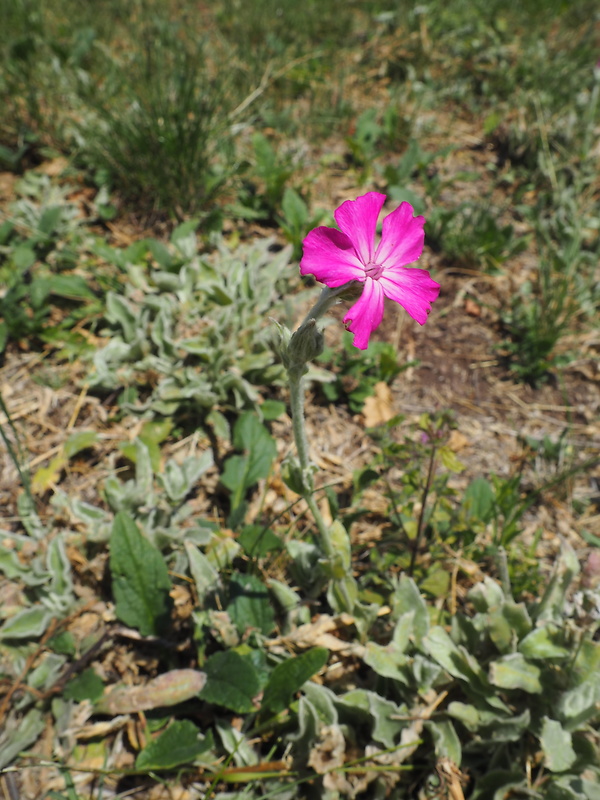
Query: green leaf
<point x="152" y="434"/>
<point x="23" y="733"/>
<point x="408" y="599"/>
<point x="437" y="581"/>
<point x="156" y="430"/>
<point x="242" y="472"/>
<point x="587" y="661"/>
<point x="180" y="744"/>
<point x="467" y="714"/>
<point x="445" y="740"/>
<point x="179" y="480"/>
<point x="566" y="568"/>
<point x="259" y="541"/>
<point x="295" y="210"/>
<point x="490" y="725"/>
<point x="78" y="442"/>
<point x="23" y="257"/>
<point x="576" y="706"/>
<point x="500" y="631"/>
<point x="72" y="287"/>
<point x="514" y="672"/>
<point x="340" y="542"/>
<point x="160" y="253"/>
<point x="63" y="643"/>
<point x="342" y="594"/>
<point x="140" y="580"/>
<point x="87" y="686"/>
<point x="49" y="219"/>
<point x="500" y="784"/>
<point x="518" y="617"/>
<point x="184" y="238"/>
<point x="221" y="552"/>
<point x="250" y="605"/>
<point x="486" y="595"/>
<point x="119" y="311"/>
<point x="479" y="500"/>
<point x="231" y="682"/>
<point x="557" y="746"/>
<point x="546" y="642"/>
<point x="385" y="715"/>
<point x="27" y="624"/>
<point x="289" y="676"/>
<point x="322" y="701"/>
<point x="450" y="460"/>
<point x="504" y="729"/>
<point x="59" y="567"/>
<point x="236" y="744"/>
<point x="287" y="599"/>
<point x="12" y="567"/>
<point x="454" y="659"/>
<point x="219" y="424"/>
<point x="272" y="409"/>
<point x="385" y="661"/>
<point x="363" y="478"/>
<point x="205" y="576"/>
<point x="234" y="477"/>
<point x="6" y="227"/>
<point x="47" y="672"/>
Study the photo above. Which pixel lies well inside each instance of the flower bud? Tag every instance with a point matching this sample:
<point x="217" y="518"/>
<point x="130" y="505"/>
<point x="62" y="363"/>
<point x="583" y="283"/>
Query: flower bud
<point x="306" y="344"/>
<point x="281" y="341"/>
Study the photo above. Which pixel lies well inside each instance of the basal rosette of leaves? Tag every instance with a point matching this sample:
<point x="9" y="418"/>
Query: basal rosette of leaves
<point x="506" y="691"/>
<point x="197" y="324"/>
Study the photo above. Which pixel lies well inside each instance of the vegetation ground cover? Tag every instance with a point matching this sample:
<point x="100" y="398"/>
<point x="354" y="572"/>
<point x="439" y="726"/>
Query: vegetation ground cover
<point x="170" y="625"/>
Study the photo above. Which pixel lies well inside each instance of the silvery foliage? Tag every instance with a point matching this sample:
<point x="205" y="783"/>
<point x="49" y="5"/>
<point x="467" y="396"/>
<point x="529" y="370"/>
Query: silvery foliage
<point x="48" y="596"/>
<point x="156" y="501"/>
<point x="198" y="324"/>
<point x="506" y="678"/>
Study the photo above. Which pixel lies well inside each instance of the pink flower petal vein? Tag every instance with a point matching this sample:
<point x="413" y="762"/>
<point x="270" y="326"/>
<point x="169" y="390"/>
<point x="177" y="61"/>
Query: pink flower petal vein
<point x="336" y="257"/>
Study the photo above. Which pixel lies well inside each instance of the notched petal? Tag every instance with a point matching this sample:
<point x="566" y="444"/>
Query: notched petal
<point x="414" y="289"/>
<point x="366" y="314"/>
<point x="358" y="220"/>
<point x="402" y="238"/>
<point x="329" y="255"/>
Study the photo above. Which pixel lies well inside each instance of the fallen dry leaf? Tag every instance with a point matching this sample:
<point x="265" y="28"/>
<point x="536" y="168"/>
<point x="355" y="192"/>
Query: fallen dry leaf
<point x="319" y="634"/>
<point x="378" y="408"/>
<point x="472" y="308"/>
<point x="457" y="442"/>
<point x="168" y="689"/>
<point x="451" y="777"/>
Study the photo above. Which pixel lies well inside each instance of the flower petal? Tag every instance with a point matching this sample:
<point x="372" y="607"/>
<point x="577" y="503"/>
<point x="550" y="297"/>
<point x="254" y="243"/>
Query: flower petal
<point x="414" y="289"/>
<point x="366" y="314"/>
<point x="358" y="220"/>
<point x="330" y="256"/>
<point x="402" y="238"/>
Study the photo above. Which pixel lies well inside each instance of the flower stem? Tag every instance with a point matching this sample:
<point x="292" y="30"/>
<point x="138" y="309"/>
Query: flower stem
<point x="297" y="404"/>
<point x="298" y="423"/>
<point x="302" y="347"/>
<point x="326" y="299"/>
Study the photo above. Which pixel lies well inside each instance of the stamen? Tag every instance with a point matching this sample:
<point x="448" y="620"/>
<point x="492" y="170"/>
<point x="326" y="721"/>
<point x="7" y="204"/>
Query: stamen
<point x="374" y="271"/>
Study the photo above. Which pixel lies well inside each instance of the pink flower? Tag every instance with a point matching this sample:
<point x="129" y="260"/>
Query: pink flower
<point x="337" y="257"/>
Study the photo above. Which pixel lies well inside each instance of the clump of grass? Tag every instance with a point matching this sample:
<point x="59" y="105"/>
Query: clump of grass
<point x="158" y="126"/>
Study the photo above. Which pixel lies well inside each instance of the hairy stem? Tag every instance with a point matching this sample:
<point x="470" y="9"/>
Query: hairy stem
<point x="326" y="299"/>
<point x="299" y="428"/>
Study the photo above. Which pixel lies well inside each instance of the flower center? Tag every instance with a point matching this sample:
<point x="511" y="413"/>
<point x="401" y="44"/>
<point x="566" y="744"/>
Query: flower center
<point x="374" y="271"/>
